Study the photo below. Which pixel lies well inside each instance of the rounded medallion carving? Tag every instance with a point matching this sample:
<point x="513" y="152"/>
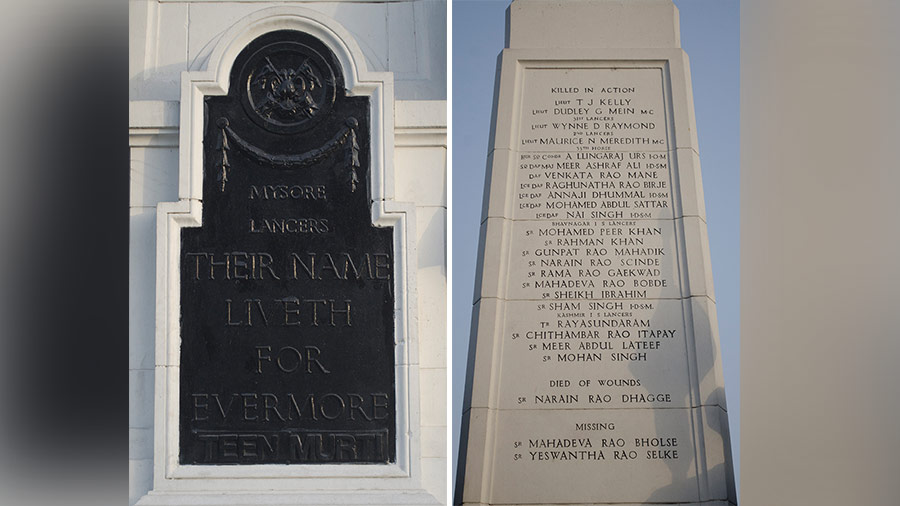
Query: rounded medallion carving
<point x="288" y="87"/>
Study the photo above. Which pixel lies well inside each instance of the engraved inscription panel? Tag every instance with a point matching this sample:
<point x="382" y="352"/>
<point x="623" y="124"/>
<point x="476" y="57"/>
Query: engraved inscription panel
<point x="594" y="259"/>
<point x="593" y="144"/>
<point x="594" y="354"/>
<point x="287" y="333"/>
<point x="595" y="379"/>
<point x="645" y="453"/>
<point x="610" y="109"/>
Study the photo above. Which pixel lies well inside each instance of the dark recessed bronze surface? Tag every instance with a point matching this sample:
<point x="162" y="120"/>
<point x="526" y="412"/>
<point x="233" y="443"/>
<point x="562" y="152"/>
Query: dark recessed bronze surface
<point x="287" y="300"/>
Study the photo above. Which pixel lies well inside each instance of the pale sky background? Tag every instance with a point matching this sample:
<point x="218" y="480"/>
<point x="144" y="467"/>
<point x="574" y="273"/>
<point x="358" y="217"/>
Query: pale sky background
<point x="710" y="36"/>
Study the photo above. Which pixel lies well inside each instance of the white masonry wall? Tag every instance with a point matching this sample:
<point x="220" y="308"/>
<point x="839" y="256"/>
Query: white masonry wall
<point x="405" y="37"/>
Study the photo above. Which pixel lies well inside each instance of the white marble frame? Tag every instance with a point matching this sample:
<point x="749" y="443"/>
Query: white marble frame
<point x="174" y="483"/>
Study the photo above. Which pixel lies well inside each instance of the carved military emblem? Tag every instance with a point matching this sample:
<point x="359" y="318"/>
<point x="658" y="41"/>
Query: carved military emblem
<point x="288" y="85"/>
<point x="285" y="94"/>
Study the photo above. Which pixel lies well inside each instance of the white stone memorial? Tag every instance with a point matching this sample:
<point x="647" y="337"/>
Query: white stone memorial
<point x="594" y="367"/>
<point x="390" y="59"/>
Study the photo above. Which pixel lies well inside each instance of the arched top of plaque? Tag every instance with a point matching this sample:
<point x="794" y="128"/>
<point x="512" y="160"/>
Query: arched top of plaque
<point x="348" y="57"/>
<point x="286" y="96"/>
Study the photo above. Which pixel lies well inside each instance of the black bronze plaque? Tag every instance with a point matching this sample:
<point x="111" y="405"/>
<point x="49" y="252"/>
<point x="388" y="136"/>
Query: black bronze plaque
<point x="287" y="352"/>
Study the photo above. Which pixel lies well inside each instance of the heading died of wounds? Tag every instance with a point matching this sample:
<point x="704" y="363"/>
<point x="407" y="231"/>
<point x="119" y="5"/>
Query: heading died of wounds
<point x="287" y="289"/>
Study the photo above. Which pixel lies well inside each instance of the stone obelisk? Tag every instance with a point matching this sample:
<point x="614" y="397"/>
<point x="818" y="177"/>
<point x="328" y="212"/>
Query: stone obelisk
<point x="594" y="367"/>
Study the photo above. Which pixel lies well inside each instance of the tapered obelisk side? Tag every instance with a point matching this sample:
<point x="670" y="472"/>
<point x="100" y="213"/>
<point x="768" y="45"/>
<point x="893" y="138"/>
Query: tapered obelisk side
<point x="594" y="367"/>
